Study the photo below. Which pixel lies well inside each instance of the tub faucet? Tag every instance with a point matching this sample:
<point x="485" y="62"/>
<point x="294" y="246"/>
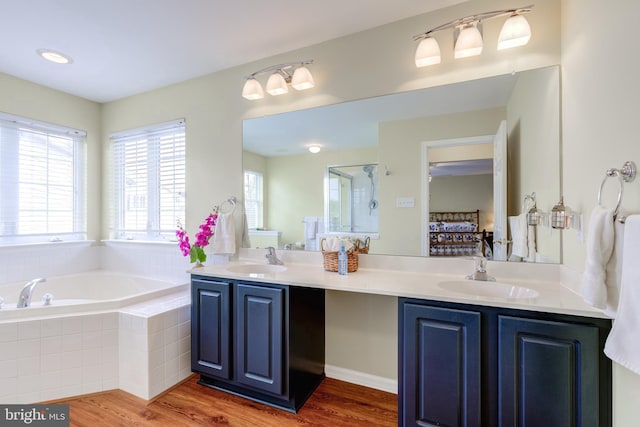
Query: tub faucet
<point x="272" y="257"/>
<point x="24" y="300"/>
<point x="480" y="271"/>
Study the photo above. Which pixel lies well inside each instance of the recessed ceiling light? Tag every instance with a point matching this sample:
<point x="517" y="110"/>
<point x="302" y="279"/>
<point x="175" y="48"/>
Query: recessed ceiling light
<point x="314" y="149"/>
<point x="53" y="56"/>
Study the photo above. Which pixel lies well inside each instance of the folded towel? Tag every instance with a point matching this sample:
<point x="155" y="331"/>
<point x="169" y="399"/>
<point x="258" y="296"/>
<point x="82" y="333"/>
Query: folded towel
<point x="332" y="244"/>
<point x="519" y="235"/>
<point x="600" y="242"/>
<point x="224" y="239"/>
<point x="623" y="343"/>
<point x="310" y="227"/>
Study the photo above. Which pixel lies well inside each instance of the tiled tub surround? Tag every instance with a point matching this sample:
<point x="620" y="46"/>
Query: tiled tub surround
<point x="143" y="349"/>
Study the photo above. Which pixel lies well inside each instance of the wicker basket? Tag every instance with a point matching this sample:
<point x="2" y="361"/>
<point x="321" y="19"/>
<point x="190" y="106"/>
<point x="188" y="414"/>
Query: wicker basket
<point x="363" y="245"/>
<point x="331" y="259"/>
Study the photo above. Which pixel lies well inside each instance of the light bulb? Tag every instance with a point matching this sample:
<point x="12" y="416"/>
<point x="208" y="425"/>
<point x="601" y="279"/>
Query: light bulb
<point x="515" y="32"/>
<point x="276" y="85"/>
<point x="469" y="42"/>
<point x="252" y="90"/>
<point x="427" y="53"/>
<point x="302" y="79"/>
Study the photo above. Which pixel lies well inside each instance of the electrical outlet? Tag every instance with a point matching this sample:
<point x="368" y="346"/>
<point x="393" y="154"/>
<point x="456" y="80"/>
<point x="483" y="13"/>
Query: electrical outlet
<point x="405" y="202"/>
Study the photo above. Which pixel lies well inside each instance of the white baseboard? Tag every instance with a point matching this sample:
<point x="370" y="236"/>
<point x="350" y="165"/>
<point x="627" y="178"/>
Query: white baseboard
<point x="361" y="378"/>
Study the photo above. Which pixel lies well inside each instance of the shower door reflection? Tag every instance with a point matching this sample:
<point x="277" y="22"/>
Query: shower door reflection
<point x="351" y="199"/>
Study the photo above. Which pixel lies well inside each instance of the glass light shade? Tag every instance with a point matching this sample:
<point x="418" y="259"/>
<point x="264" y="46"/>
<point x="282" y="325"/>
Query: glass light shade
<point x="428" y="52"/>
<point x="515" y="32"/>
<point x="469" y="42"/>
<point x="314" y="149"/>
<point x="302" y="79"/>
<point x="276" y="85"/>
<point x="252" y="90"/>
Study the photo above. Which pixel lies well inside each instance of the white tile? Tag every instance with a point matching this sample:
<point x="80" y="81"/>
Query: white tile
<point x="51" y="345"/>
<point x="29" y="348"/>
<point x="92" y="323"/>
<point x="156" y="358"/>
<point x="171" y="335"/>
<point x="184" y="346"/>
<point x="25" y="398"/>
<point x="29" y="366"/>
<point x="124" y="322"/>
<point x="171" y="351"/>
<point x="29" y="330"/>
<point x="109" y="372"/>
<point x="50" y="380"/>
<point x="109" y="355"/>
<point x="155" y="324"/>
<point x="8" y="369"/>
<point x="184" y="314"/>
<point x="72" y="359"/>
<point x="8" y="332"/>
<point x="93" y="387"/>
<point x="91" y="339"/>
<point x="72" y="342"/>
<point x="110" y="321"/>
<point x="90" y="357"/>
<point x="156" y="340"/>
<point x="8" y="350"/>
<point x="91" y="374"/>
<point x="184" y="363"/>
<point x="109" y="337"/>
<point x="8" y="387"/>
<point x="29" y="384"/>
<point x="71" y="377"/>
<point x="51" y="362"/>
<point x="138" y="324"/>
<point x="184" y="330"/>
<point x="170" y="318"/>
<point x="110" y="384"/>
<point x="72" y="325"/>
<point x="51" y="327"/>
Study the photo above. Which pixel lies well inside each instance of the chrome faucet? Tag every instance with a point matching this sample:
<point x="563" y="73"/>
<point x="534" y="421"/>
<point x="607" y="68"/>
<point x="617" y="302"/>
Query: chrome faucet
<point x="272" y="257"/>
<point x="24" y="300"/>
<point x="480" y="271"/>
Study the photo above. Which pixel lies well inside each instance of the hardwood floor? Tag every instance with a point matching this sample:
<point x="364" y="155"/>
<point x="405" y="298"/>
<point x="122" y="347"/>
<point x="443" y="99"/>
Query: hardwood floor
<point x="334" y="403"/>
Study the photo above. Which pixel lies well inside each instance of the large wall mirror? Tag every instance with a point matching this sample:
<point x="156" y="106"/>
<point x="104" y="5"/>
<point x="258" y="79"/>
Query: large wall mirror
<point x="435" y="150"/>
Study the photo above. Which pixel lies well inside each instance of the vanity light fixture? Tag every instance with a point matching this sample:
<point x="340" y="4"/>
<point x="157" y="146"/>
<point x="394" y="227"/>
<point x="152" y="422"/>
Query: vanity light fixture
<point x="563" y="217"/>
<point x="54" y="56"/>
<point x="281" y="76"/>
<point x="468" y="35"/>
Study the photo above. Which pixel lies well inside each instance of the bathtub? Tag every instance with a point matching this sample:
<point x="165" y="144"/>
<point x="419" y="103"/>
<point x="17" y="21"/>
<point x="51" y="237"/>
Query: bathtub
<point x="93" y="291"/>
<point x="103" y="331"/>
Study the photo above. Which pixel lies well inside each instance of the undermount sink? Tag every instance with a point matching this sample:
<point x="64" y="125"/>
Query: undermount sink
<point x="256" y="268"/>
<point x="489" y="289"/>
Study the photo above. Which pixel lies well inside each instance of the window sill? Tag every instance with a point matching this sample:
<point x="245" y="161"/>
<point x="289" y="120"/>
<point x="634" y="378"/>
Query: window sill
<point x="139" y="242"/>
<point x="48" y="244"/>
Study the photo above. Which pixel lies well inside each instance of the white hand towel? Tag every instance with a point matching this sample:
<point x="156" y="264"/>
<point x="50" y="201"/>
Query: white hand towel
<point x="224" y="238"/>
<point x="600" y="241"/>
<point x="246" y="241"/>
<point x="623" y="343"/>
<point x="614" y="271"/>
<point x="531" y="243"/>
<point x="310" y="227"/>
<point x="519" y="235"/>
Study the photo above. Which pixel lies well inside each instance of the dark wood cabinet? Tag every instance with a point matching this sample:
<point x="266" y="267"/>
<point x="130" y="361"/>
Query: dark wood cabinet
<point x="467" y="365"/>
<point x="211" y="323"/>
<point x="262" y="341"/>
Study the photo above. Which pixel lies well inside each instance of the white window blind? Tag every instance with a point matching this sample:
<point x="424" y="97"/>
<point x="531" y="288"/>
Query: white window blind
<point x="148" y="182"/>
<point x="42" y="182"/>
<point x="253" y="199"/>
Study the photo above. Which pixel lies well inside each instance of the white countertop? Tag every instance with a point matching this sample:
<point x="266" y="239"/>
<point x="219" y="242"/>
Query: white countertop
<point x="398" y="281"/>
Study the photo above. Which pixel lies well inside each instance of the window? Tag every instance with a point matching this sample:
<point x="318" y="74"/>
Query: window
<point x="42" y="182"/>
<point x="253" y="198"/>
<point x="148" y="182"/>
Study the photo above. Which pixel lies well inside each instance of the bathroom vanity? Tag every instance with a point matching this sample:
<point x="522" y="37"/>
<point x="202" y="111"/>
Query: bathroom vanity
<point x="262" y="341"/>
<point x="470" y="365"/>
<point x="513" y="352"/>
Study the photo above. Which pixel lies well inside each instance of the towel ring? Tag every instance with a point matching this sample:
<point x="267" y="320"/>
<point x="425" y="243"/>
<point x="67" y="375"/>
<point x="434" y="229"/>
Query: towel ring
<point x="231" y="202"/>
<point x="626" y="174"/>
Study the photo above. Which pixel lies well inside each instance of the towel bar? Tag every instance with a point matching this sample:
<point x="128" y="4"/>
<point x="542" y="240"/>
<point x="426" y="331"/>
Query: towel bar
<point x="626" y="174"/>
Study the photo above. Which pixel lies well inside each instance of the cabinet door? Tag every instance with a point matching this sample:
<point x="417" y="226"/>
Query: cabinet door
<point x="211" y="328"/>
<point x="548" y="373"/>
<point x="440" y="370"/>
<point x="259" y="340"/>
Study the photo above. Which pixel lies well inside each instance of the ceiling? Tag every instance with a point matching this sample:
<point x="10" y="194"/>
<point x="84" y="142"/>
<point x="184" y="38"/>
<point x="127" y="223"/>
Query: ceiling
<point x="123" y="47"/>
